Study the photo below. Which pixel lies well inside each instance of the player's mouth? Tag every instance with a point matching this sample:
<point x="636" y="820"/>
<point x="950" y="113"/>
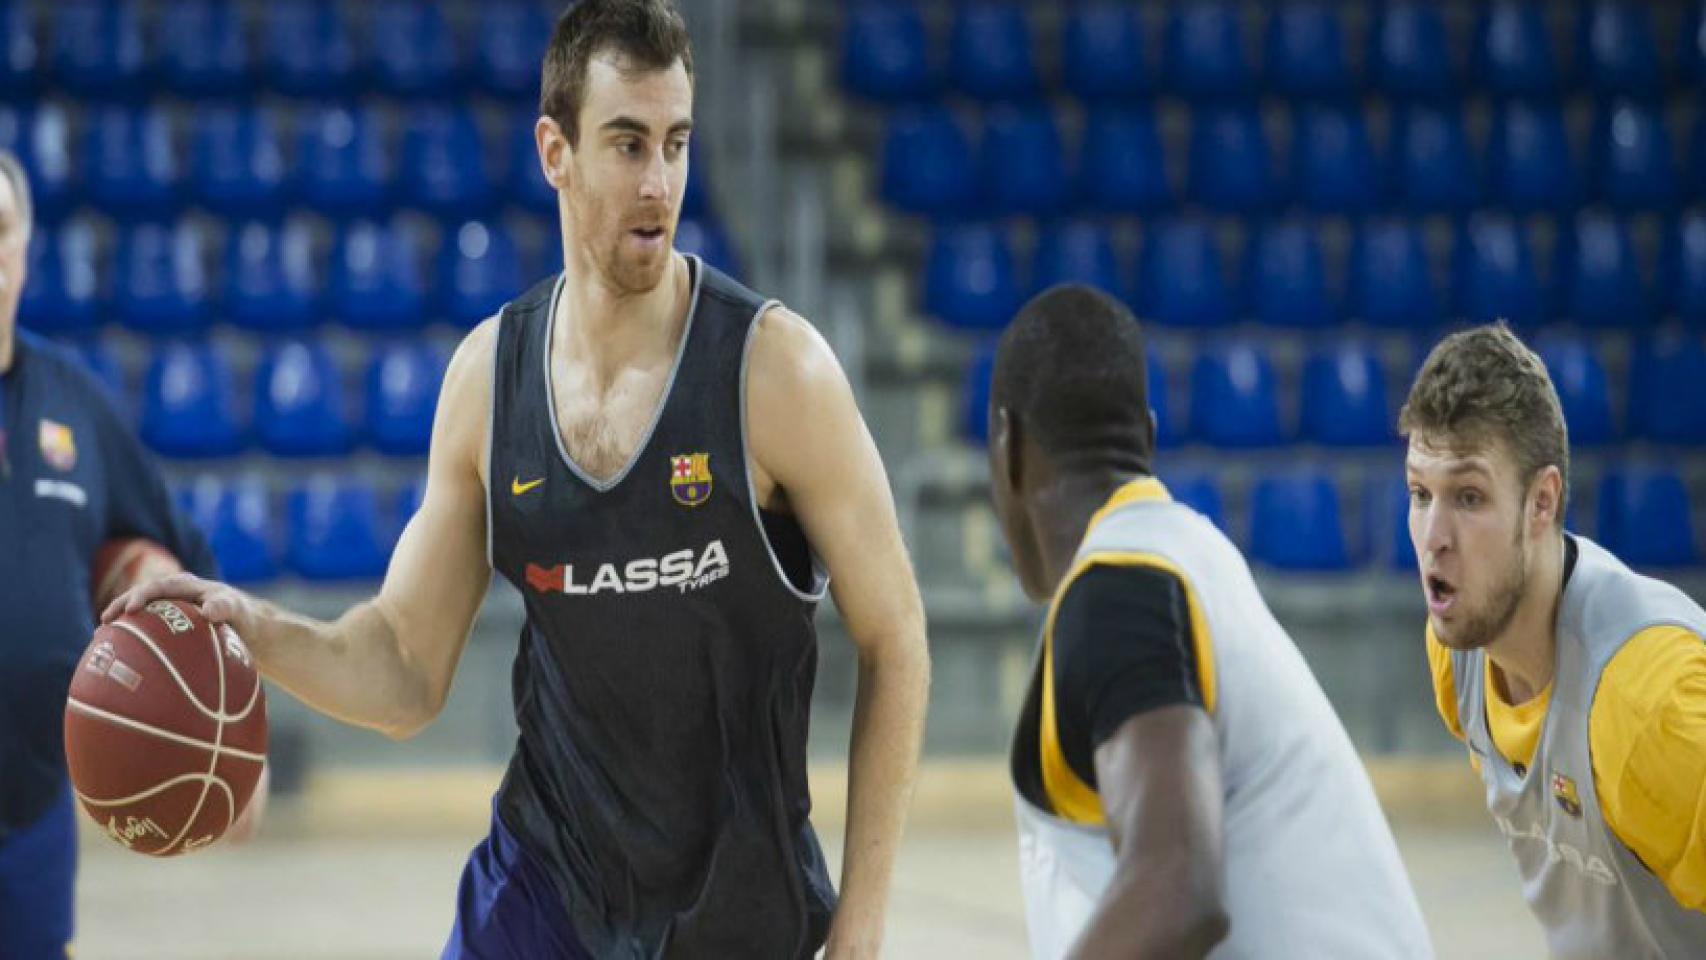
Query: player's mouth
<point x="1442" y="594"/>
<point x="649" y="236"/>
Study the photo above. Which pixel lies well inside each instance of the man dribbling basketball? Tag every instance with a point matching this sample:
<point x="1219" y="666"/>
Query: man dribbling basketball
<point x="656" y="457"/>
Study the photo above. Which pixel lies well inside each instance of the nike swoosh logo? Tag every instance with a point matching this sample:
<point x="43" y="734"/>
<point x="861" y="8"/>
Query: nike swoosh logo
<point x="517" y="488"/>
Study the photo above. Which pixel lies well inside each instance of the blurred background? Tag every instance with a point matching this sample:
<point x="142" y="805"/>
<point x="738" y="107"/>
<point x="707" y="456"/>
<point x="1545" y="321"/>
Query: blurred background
<point x="266" y="224"/>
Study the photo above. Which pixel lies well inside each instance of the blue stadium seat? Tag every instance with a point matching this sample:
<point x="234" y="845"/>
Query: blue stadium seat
<point x="414" y="53"/>
<point x="237" y="518"/>
<point x="1389" y="513"/>
<point x="1493" y="273"/>
<point x="1306" y="51"/>
<point x="528" y="187"/>
<point x="1618" y="53"/>
<point x="479" y="271"/>
<point x="509" y="48"/>
<point x="1344" y="397"/>
<point x="1391" y="281"/>
<point x="1021" y="163"/>
<point x="1600" y="281"/>
<point x="237" y="161"/>
<point x="1667" y="390"/>
<point x="409" y="500"/>
<point x="62" y="294"/>
<point x="376" y="279"/>
<point x="969" y="278"/>
<point x="1286" y="277"/>
<point x="696" y="194"/>
<point x="1529" y="164"/>
<point x="1231" y="168"/>
<point x="309" y="48"/>
<point x="1102" y="51"/>
<point x="1182" y="280"/>
<point x="1078" y="252"/>
<point x="1234" y="402"/>
<point x="1408" y="54"/>
<point x="1121" y="166"/>
<point x="1584" y="390"/>
<point x="926" y="163"/>
<point x="335" y="530"/>
<point x="974" y="398"/>
<point x="1205" y="50"/>
<point x="272" y="277"/>
<point x="1684" y="275"/>
<point x="885" y="53"/>
<point x="1694" y="170"/>
<point x="204" y="47"/>
<point x="708" y="240"/>
<point x="991" y="51"/>
<point x="42" y="141"/>
<point x="161" y="279"/>
<point x="20" y="53"/>
<point x="98" y="48"/>
<point x="402" y="391"/>
<point x="1633" y="160"/>
<point x="443" y="167"/>
<point x="1513" y="50"/>
<point x="1645" y="518"/>
<point x="299" y="402"/>
<point x="189" y="403"/>
<point x="1295" y="523"/>
<point x="1432" y="162"/>
<point x="1169" y="429"/>
<point x="1201" y="493"/>
<point x="345" y="161"/>
<point x="1334" y="162"/>
<point x="131" y="165"/>
<point x="1691" y="46"/>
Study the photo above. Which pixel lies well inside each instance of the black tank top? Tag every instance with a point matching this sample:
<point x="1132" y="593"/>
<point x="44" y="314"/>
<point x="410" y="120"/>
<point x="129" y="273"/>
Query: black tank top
<point x="664" y="677"/>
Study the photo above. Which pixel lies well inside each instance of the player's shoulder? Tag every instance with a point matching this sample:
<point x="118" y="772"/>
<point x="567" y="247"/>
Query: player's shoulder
<point x="788" y="351"/>
<point x="60" y="366"/>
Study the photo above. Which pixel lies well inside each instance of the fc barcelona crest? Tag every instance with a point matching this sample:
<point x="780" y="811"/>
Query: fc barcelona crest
<point x="58" y="445"/>
<point x="1564" y="791"/>
<point x="690" y="478"/>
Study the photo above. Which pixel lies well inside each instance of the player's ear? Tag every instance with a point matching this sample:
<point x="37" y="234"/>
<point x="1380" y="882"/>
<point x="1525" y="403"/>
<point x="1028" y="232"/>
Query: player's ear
<point x="1548" y="497"/>
<point x="554" y="151"/>
<point x="1004" y="446"/>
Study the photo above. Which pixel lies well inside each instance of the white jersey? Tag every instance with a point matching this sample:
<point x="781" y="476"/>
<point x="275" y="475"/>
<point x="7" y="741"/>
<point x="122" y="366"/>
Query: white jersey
<point x="1311" y="869"/>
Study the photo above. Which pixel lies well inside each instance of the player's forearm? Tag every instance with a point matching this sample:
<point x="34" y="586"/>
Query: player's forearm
<point x="1152" y="911"/>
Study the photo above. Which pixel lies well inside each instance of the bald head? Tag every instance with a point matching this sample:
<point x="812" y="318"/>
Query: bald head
<point x="15" y="219"/>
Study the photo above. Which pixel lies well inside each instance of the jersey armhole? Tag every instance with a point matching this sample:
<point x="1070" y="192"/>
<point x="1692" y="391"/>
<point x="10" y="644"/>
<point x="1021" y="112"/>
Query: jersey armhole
<point x="492" y="433"/>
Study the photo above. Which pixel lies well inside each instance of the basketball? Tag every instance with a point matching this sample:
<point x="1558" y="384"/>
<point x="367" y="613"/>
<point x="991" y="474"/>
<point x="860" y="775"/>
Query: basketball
<point x="165" y="729"/>
<point x="121" y="563"/>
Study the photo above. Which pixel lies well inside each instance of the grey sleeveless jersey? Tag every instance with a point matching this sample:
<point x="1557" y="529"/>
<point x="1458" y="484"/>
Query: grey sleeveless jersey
<point x="1311" y="868"/>
<point x="1594" y="897"/>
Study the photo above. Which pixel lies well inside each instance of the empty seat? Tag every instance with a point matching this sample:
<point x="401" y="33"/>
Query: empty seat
<point x="1667" y="390"/>
<point x="443" y="168"/>
<point x="509" y="47"/>
<point x="1529" y="165"/>
<point x="376" y="277"/>
<point x="21" y="71"/>
<point x="885" y="53"/>
<point x="479" y="271"/>
<point x="1344" y="397"/>
<point x="974" y="398"/>
<point x="1121" y="165"/>
<point x="1306" y="51"/>
<point x="1599" y="278"/>
<point x="696" y="193"/>
<point x="299" y="402"/>
<point x="161" y="280"/>
<point x="1493" y="272"/>
<point x="272" y="277"/>
<point x="204" y="47"/>
<point x="1295" y="523"/>
<point x="1408" y="52"/>
<point x="1391" y="282"/>
<point x="237" y="161"/>
<point x="42" y="141"/>
<point x="1234" y="402"/>
<point x="1691" y="45"/>
<point x="131" y="164"/>
<point x="1584" y="390"/>
<point x="1633" y="159"/>
<point x="336" y="531"/>
<point x="1287" y="277"/>
<point x="1617" y="51"/>
<point x="237" y="518"/>
<point x="708" y="240"/>
<point x="1205" y="49"/>
<point x="1231" y="168"/>
<point x="1513" y="49"/>
<point x="1183" y="282"/>
<point x="62" y="294"/>
<point x="1102" y="51"/>
<point x="1201" y="493"/>
<point x="1433" y="167"/>
<point x="969" y="278"/>
<point x="1334" y="162"/>
<point x="402" y="391"/>
<point x="926" y="160"/>
<point x="1078" y="252"/>
<point x="413" y="50"/>
<point x="308" y="48"/>
<point x="990" y="51"/>
<point x="527" y="184"/>
<point x="189" y="403"/>
<point x="98" y="49"/>
<point x="1684" y="280"/>
<point x="1645" y="518"/>
<point x="409" y="500"/>
<point x="1021" y="163"/>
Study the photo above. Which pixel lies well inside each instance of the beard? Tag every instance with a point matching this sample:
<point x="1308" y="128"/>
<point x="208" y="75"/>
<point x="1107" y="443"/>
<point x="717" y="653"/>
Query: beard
<point x="1482" y="626"/>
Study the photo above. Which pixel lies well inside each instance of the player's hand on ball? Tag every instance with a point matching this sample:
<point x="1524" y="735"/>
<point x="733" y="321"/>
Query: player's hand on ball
<point x="218" y="602"/>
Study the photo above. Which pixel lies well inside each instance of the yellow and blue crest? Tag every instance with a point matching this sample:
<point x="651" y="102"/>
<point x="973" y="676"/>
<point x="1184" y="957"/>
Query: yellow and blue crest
<point x="58" y="445"/>
<point x="690" y="478"/>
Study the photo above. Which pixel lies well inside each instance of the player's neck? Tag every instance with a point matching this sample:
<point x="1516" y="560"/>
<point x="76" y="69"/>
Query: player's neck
<point x="8" y="348"/>
<point x="1061" y="508"/>
<point x="612" y="328"/>
<point x="1523" y="654"/>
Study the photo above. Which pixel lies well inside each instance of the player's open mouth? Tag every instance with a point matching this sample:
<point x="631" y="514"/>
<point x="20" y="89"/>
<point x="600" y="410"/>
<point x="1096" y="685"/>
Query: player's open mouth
<point x="648" y="233"/>
<point x="1442" y="593"/>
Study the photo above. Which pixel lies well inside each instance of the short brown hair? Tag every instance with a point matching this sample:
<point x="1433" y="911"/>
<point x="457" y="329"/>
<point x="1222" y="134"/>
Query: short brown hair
<point x="1483" y="386"/>
<point x="647" y="34"/>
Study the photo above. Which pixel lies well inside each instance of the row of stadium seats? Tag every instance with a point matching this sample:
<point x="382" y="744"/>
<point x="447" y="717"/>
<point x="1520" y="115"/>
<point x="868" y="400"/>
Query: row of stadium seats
<point x="180" y="278"/>
<point x="1347" y="397"/>
<point x="1289" y="275"/>
<point x="889" y="52"/>
<point x="1119" y="164"/>
<point x="128" y="49"/>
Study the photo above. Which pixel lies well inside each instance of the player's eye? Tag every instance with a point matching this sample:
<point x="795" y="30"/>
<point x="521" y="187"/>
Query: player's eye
<point x="1470" y="498"/>
<point x="1419" y="496"/>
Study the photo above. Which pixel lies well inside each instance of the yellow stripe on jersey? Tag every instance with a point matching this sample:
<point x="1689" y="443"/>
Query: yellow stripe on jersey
<point x="1445" y="685"/>
<point x="1515" y="728"/>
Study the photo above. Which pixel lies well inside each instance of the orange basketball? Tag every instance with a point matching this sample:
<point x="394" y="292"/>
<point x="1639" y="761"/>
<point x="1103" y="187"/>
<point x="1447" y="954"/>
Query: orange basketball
<point x="165" y="729"/>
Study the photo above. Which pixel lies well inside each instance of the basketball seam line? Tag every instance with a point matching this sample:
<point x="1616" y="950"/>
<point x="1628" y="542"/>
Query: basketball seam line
<point x="218" y="741"/>
<point x="183" y="684"/>
<point x="151" y="791"/>
<point x="179" y="738"/>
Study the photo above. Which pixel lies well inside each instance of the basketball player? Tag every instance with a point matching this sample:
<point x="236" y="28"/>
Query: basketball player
<point x="1578" y="685"/>
<point x="667" y="466"/>
<point x="1183" y="787"/>
<point x="72" y="476"/>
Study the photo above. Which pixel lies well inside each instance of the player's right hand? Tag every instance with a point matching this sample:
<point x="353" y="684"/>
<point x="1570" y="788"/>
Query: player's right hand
<point x="219" y="602"/>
